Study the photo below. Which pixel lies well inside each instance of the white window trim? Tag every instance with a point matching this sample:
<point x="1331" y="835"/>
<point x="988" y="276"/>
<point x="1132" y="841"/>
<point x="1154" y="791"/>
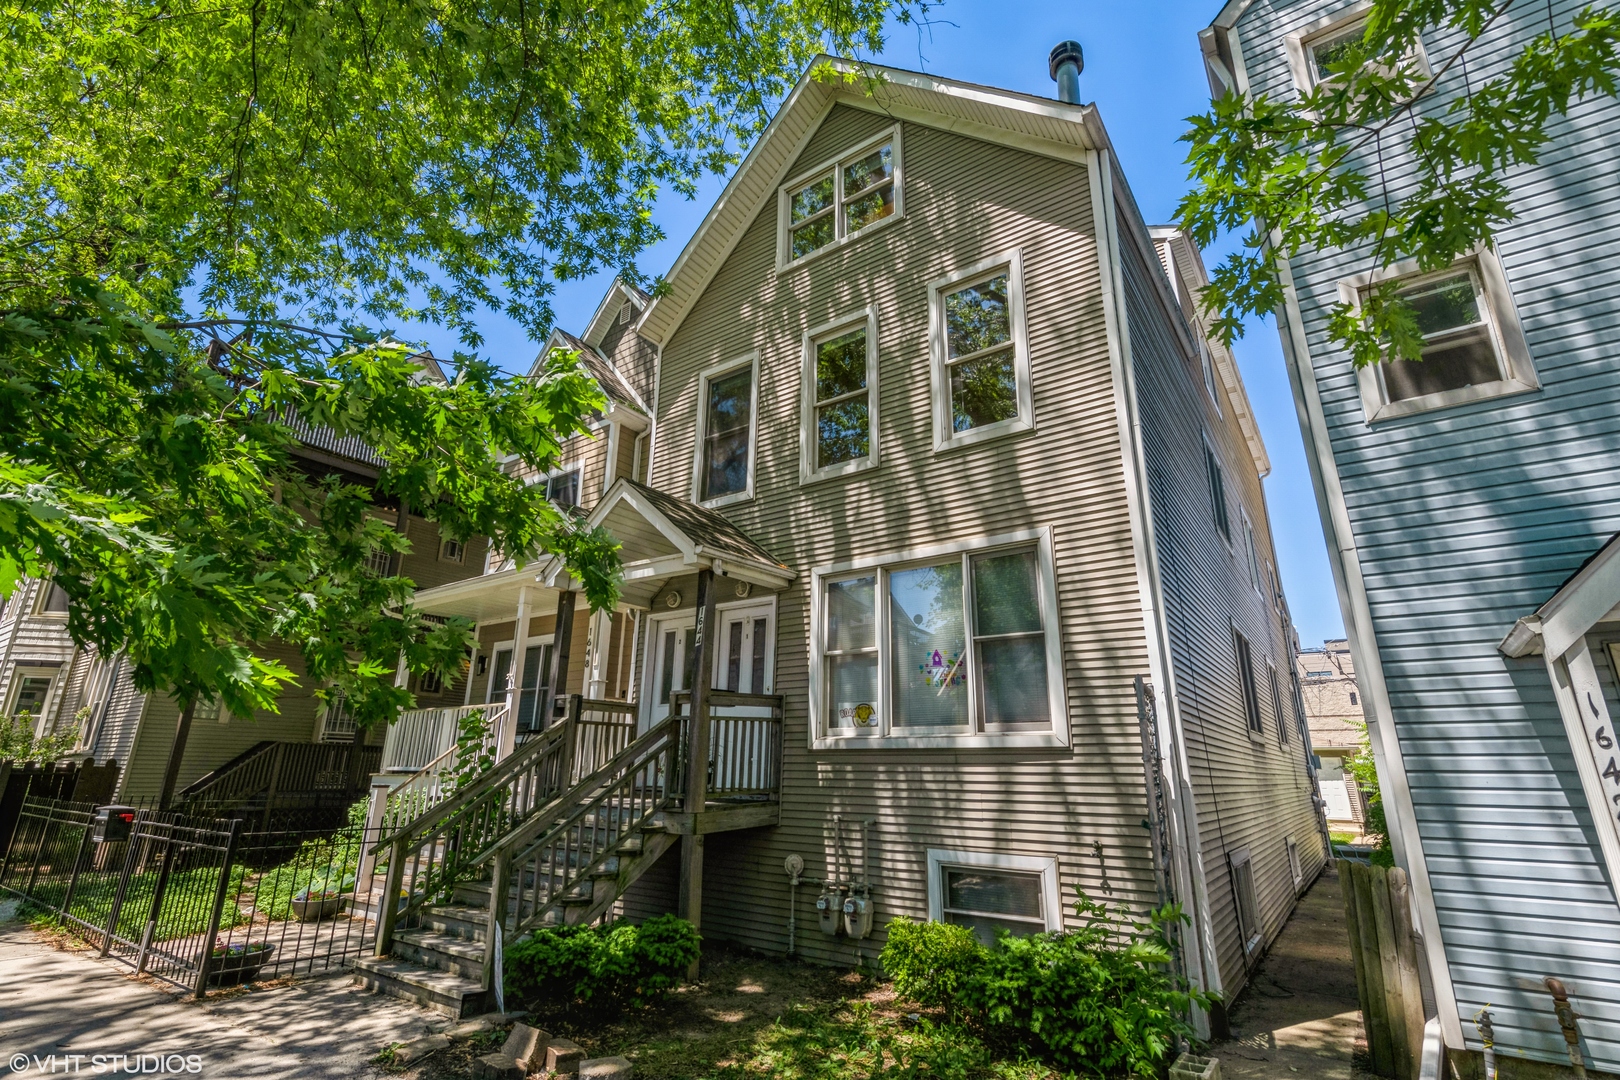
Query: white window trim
<point x="1224" y="512"/>
<point x="705" y="377"/>
<point x="1251" y="551"/>
<point x="944" y="437"/>
<point x="1502" y="322"/>
<point x="1047" y="867"/>
<point x="784" y="200"/>
<point x="459" y="557"/>
<point x="1206" y="361"/>
<point x="1296" y="868"/>
<point x="1299" y="43"/>
<point x="19" y="672"/>
<point x="808" y="436"/>
<point x="1234" y="860"/>
<point x="41" y="595"/>
<point x="1056" y="686"/>
<point x="576" y="467"/>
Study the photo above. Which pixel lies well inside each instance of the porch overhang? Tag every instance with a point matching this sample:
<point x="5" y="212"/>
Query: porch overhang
<point x="1590" y="596"/>
<point x="491" y="598"/>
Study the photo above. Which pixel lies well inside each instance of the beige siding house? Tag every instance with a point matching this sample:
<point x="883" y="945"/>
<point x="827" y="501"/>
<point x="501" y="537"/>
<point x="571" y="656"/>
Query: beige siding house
<point x="1337" y="722"/>
<point x="925" y="404"/>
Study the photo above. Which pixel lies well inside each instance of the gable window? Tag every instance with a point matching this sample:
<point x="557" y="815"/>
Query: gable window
<point x="725" y="449"/>
<point x="840" y="199"/>
<point x="1330" y="50"/>
<point x="951" y="646"/>
<point x="840" y="392"/>
<point x="1246" y="681"/>
<point x="1473" y="345"/>
<point x="981" y="353"/>
<point x="993" y="892"/>
<point x="1318" y="52"/>
<point x="1217" y="492"/>
<point x="1248" y="908"/>
<point x="562" y="488"/>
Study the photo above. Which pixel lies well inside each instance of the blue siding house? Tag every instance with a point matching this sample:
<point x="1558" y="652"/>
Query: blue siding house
<point x="1469" y="504"/>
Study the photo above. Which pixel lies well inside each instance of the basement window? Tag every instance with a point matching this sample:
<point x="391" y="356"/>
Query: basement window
<point x="1248" y="908"/>
<point x="989" y="893"/>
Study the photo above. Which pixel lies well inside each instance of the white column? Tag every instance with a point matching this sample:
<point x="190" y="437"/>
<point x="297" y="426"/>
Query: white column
<point x="506" y="738"/>
<point x="597" y="651"/>
<point x="1592" y="738"/>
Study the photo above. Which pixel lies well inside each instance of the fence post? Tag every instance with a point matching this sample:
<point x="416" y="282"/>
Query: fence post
<point x="1405" y="1056"/>
<point x="214" y="914"/>
<point x="157" y="903"/>
<point x="389" y="912"/>
<point x="39" y="851"/>
<point x="78" y="861"/>
<point x="1406" y="966"/>
<point x="275" y="783"/>
<point x="130" y="857"/>
<point x="499" y="886"/>
<point x="1376" y="1016"/>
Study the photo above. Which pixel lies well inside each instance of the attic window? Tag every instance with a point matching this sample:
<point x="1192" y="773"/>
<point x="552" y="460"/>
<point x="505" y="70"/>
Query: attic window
<point x="840" y="199"/>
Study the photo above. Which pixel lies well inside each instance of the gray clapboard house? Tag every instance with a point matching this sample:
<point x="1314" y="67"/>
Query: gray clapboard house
<point x="1469" y="503"/>
<point x="949" y="519"/>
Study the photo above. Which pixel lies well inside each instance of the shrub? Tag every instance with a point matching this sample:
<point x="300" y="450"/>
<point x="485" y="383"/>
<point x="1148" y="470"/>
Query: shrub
<point x="931" y="962"/>
<point x="1090" y="1000"/>
<point x="601" y="970"/>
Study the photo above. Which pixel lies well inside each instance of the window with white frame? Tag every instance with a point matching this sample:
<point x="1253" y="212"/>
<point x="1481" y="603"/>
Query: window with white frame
<point x="52" y="599"/>
<point x="337" y="722"/>
<point x="1208" y="363"/>
<point x="451" y="550"/>
<point x="840" y="391"/>
<point x="840" y="199"/>
<point x="31" y="693"/>
<point x="1277" y="705"/>
<point x="1252" y="552"/>
<point x="948" y="646"/>
<point x="379" y="562"/>
<point x="1318" y="52"/>
<point x="725" y="449"/>
<point x="1247" y="688"/>
<point x="562" y="488"/>
<point x="1217" y="492"/>
<point x="1294" y="868"/>
<point x="1248" y="908"/>
<point x="992" y="892"/>
<point x="980" y="348"/>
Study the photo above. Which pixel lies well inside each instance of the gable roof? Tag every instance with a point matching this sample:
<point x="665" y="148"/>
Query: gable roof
<point x="599" y="367"/>
<point x="1035" y="124"/>
<point x="619" y="293"/>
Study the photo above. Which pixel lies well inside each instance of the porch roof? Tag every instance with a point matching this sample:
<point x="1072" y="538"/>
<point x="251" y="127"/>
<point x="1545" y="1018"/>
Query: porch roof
<point x="490" y="597"/>
<point x="1590" y="595"/>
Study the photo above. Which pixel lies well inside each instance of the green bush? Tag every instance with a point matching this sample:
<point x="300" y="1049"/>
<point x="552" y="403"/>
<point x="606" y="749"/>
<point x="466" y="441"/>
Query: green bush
<point x="1089" y="1000"/>
<point x="601" y="970"/>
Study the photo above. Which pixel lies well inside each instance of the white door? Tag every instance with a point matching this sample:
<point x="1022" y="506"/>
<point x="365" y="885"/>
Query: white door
<point x="670" y="647"/>
<point x="745" y="650"/>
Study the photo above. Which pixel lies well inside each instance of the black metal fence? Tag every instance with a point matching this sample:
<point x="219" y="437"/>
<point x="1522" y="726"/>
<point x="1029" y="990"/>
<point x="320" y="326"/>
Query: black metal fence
<point x="197" y="902"/>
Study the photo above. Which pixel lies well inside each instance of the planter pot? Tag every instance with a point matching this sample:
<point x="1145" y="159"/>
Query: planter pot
<point x="234" y="969"/>
<point x="317" y="909"/>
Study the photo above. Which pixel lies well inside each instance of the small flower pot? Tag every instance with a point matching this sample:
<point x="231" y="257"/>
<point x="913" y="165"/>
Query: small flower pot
<point x="316" y="908"/>
<point x="239" y="964"/>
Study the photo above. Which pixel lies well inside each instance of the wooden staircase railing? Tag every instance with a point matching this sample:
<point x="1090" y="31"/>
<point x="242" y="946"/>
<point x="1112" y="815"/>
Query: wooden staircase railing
<point x="280" y="772"/>
<point x="434" y="782"/>
<point x="432" y="851"/>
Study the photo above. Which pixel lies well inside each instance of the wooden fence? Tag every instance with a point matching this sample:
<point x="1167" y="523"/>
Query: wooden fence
<point x="1378" y="915"/>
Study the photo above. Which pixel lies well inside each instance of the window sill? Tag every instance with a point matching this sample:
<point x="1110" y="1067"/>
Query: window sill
<point x="1020" y="740"/>
<point x="841" y="471"/>
<point x="839" y="244"/>
<point x="727" y="500"/>
<point x="1004" y="429"/>
<point x="1379" y="410"/>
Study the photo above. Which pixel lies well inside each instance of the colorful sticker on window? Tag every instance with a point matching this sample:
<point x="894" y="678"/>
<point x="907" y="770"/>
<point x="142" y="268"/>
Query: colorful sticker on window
<point x="862" y="715"/>
<point x="942" y="671"/>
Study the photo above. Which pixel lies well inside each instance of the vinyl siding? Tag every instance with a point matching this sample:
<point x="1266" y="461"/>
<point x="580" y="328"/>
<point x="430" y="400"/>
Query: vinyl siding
<point x="1251" y="791"/>
<point x="965" y="200"/>
<point x="635" y="357"/>
<point x="1467" y="518"/>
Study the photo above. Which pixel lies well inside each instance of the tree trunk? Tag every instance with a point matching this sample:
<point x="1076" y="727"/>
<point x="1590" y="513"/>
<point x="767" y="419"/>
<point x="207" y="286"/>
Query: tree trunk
<point x="171" y="774"/>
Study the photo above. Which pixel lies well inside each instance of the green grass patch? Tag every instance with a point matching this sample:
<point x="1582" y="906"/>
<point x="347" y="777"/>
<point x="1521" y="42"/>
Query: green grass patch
<point x="1343" y="837"/>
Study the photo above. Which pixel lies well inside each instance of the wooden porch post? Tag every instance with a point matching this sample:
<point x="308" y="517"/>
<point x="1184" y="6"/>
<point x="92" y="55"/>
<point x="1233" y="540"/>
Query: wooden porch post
<point x="690" y="903"/>
<point x="561" y="640"/>
<point x="506" y="738"/>
<point x="171" y="774"/>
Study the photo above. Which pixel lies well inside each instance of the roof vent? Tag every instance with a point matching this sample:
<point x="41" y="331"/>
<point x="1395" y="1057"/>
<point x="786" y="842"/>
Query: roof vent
<point x="1065" y="63"/>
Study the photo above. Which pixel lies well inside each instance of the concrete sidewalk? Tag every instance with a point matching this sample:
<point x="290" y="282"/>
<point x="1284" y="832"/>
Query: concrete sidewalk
<point x="1299" y="1016"/>
<point x="54" y="1001"/>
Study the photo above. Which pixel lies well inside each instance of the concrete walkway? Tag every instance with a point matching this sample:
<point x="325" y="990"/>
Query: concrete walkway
<point x="54" y="1001"/>
<point x="1299" y="1016"/>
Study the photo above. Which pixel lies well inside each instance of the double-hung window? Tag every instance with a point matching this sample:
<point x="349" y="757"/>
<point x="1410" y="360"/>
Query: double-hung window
<point x="951" y="646"/>
<point x="840" y="199"/>
<point x="726" y="428"/>
<point x="1319" y="52"/>
<point x="840" y="397"/>
<point x="562" y="488"/>
<point x="1252" y="552"/>
<point x="1248" y="688"/>
<point x="1277" y="705"/>
<point x="1217" y="492"/>
<point x="980" y="347"/>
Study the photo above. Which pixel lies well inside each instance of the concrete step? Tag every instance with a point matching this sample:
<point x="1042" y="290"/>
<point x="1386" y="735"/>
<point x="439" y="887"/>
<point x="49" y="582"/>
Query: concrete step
<point x="441" y="952"/>
<point x="453" y="995"/>
<point x="458" y="920"/>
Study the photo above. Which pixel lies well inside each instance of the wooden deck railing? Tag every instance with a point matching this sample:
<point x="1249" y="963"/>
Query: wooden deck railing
<point x="745" y="744"/>
<point x="420" y="736"/>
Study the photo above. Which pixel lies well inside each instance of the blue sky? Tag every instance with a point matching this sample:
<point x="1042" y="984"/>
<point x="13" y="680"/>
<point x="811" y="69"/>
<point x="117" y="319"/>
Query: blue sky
<point x="1144" y="71"/>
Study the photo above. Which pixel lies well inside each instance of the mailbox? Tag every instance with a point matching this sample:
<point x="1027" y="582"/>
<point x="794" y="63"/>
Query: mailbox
<point x="112" y="823"/>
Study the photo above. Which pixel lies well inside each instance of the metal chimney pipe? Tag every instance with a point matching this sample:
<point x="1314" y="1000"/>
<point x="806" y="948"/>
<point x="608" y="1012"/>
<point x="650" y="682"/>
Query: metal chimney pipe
<point x="1065" y="63"/>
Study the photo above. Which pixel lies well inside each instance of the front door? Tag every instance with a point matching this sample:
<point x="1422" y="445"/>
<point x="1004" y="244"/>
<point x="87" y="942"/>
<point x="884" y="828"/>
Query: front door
<point x="671" y="642"/>
<point x="536" y="676"/>
<point x="744" y="655"/>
